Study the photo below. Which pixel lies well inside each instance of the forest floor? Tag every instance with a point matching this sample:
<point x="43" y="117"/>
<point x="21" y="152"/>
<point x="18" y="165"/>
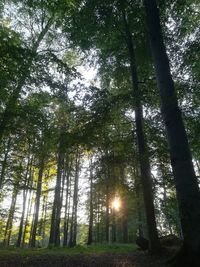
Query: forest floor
<point x="94" y="256"/>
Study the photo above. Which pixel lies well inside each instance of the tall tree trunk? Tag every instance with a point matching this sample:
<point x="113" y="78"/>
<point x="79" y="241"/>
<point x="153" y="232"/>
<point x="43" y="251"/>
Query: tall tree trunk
<point x="37" y="203"/>
<point x="97" y="221"/>
<point x="54" y="238"/>
<point x="29" y="208"/>
<point x="90" y="230"/>
<point x="181" y="160"/>
<point x="76" y="197"/>
<point x="25" y="193"/>
<point x="107" y="177"/>
<point x="107" y="214"/>
<point x="44" y="220"/>
<point x="67" y="205"/>
<point x="145" y="171"/>
<point x="9" y="223"/>
<point x="73" y="226"/>
<point x="41" y="228"/>
<point x="124" y="206"/>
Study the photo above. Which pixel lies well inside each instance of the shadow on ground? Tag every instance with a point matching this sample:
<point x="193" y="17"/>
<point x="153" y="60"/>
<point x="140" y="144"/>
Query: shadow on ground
<point x="135" y="259"/>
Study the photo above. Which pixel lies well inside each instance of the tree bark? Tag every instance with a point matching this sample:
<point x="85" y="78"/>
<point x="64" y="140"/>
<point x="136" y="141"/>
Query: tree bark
<point x="75" y="200"/>
<point x="29" y="208"/>
<point x="67" y="201"/>
<point x="107" y="176"/>
<point x="124" y="206"/>
<point x="73" y="226"/>
<point x="54" y="239"/>
<point x="181" y="160"/>
<point x="90" y="230"/>
<point x="37" y="203"/>
<point x="97" y="222"/>
<point x="25" y="193"/>
<point x="9" y="223"/>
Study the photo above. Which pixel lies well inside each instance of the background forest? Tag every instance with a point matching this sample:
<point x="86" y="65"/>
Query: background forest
<point x="84" y="156"/>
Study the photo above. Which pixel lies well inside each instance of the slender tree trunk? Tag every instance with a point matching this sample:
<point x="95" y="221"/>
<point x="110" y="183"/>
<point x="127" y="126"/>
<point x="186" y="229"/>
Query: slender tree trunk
<point x="25" y="193"/>
<point x="124" y="207"/>
<point x="42" y="223"/>
<point x="54" y="238"/>
<point x="55" y="220"/>
<point x="98" y="218"/>
<point x="44" y="220"/>
<point x="73" y="226"/>
<point x="68" y="181"/>
<point x="90" y="230"/>
<point x="75" y="202"/>
<point x="67" y="207"/>
<point x="154" y="244"/>
<point x="139" y="202"/>
<point x="22" y="218"/>
<point x="37" y="203"/>
<point x="181" y="160"/>
<point x="107" y="177"/>
<point x="107" y="214"/>
<point x="9" y="224"/>
<point x="63" y="180"/>
<point x="29" y="208"/>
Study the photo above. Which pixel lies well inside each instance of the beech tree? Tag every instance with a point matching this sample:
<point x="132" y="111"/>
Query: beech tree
<point x="181" y="160"/>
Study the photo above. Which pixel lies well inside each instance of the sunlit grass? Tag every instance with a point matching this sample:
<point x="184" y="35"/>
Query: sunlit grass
<point x="93" y="249"/>
<point x="95" y="255"/>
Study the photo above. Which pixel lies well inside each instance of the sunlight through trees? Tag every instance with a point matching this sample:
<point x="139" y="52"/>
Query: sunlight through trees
<point x="99" y="125"/>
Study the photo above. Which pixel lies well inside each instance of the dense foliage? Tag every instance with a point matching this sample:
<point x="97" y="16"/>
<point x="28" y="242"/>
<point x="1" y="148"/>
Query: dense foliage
<point x="86" y="160"/>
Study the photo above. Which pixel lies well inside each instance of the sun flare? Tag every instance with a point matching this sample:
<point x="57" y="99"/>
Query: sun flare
<point x="116" y="203"/>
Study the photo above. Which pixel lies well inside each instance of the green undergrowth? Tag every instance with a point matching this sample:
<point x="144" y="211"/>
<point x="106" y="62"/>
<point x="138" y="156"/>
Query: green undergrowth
<point x="79" y="256"/>
<point x="112" y="248"/>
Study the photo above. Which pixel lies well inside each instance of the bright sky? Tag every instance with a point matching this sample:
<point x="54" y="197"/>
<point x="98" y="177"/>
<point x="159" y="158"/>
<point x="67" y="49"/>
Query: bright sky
<point x="88" y="73"/>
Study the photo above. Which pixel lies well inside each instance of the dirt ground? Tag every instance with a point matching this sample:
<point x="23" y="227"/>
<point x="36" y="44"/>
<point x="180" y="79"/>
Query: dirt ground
<point x="135" y="259"/>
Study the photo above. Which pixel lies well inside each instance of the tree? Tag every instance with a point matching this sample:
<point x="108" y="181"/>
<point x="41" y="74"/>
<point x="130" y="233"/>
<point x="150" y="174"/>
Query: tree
<point x="181" y="160"/>
<point x="90" y="228"/>
<point x="27" y="183"/>
<point x="73" y="226"/>
<point x="142" y="146"/>
<point x="41" y="165"/>
<point x="54" y="238"/>
<point x="8" y="113"/>
<point x="41" y="16"/>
